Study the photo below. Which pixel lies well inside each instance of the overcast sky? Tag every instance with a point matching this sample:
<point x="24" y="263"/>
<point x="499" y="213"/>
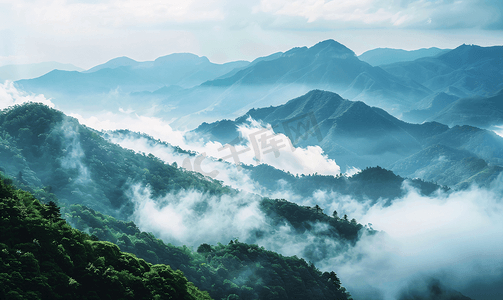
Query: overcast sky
<point x="90" y="32"/>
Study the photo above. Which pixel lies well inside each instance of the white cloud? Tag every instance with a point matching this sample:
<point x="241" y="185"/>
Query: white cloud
<point x="192" y="218"/>
<point x="388" y="13"/>
<point x="10" y="95"/>
<point x="455" y="238"/>
<point x="308" y="160"/>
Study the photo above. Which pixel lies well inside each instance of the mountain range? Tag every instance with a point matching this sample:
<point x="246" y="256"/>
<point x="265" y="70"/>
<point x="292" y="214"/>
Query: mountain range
<point x="189" y="89"/>
<point x="357" y="135"/>
<point x="468" y="70"/>
<point x="385" y="56"/>
<point x="413" y="137"/>
<point x="30" y="71"/>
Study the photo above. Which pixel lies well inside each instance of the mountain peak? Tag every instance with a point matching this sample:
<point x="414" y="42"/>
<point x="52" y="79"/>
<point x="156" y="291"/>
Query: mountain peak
<point x="326" y="49"/>
<point x="177" y="58"/>
<point x="117" y="62"/>
<point x="467" y="54"/>
<point x="331" y="48"/>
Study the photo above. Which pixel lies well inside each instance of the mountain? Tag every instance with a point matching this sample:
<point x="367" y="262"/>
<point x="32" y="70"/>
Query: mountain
<point x="326" y="65"/>
<point x="47" y="152"/>
<point x="42" y="257"/>
<point x="44" y="150"/>
<point x="209" y="92"/>
<point x="42" y="147"/>
<point x="126" y="75"/>
<point x="472" y="70"/>
<point x="484" y="112"/>
<point x="29" y="71"/>
<point x="428" y="107"/>
<point x="119" y="62"/>
<point x="355" y="134"/>
<point x="384" y="56"/>
<point x="371" y="183"/>
<point x="432" y="163"/>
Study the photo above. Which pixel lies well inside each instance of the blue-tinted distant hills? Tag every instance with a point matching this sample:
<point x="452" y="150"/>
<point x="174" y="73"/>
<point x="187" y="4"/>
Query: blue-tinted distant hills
<point x="128" y="75"/>
<point x="27" y="71"/>
<point x="475" y="111"/>
<point x="483" y="112"/>
<point x="468" y="70"/>
<point x="327" y="65"/>
<point x="384" y="56"/>
<point x="355" y="134"/>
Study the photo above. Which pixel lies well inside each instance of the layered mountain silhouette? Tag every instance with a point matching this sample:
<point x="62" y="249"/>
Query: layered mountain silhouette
<point x="182" y="69"/>
<point x="27" y="71"/>
<point x="384" y="56"/>
<point x="327" y="65"/>
<point x="483" y="112"/>
<point x="467" y="70"/>
<point x="210" y="92"/>
<point x="475" y="111"/>
<point x="355" y="134"/>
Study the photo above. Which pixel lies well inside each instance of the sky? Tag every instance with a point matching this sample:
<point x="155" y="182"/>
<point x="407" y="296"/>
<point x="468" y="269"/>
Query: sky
<point x="89" y="32"/>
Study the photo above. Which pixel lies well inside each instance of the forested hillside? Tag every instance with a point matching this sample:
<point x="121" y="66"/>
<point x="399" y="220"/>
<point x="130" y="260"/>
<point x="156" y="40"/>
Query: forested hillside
<point x="42" y="257"/>
<point x="42" y="147"/>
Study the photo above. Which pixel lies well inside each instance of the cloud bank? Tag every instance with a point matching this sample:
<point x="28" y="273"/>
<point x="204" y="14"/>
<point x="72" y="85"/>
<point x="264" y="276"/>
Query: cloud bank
<point x="453" y="238"/>
<point x="10" y="95"/>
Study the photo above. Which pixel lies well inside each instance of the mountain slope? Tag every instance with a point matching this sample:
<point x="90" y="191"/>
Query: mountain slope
<point x="45" y="150"/>
<point x="123" y="73"/>
<point x="43" y="147"/>
<point x="471" y="69"/>
<point x="428" y="107"/>
<point x="42" y="257"/>
<point x="384" y="56"/>
<point x="474" y="111"/>
<point x="354" y="134"/>
<point x="28" y="71"/>
<point x="326" y="65"/>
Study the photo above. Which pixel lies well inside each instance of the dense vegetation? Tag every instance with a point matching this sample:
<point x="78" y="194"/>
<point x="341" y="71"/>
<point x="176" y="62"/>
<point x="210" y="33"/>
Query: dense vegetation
<point x="61" y="161"/>
<point x="371" y="183"/>
<point x="244" y="270"/>
<point x="41" y="147"/>
<point x="234" y="271"/>
<point x="42" y="257"/>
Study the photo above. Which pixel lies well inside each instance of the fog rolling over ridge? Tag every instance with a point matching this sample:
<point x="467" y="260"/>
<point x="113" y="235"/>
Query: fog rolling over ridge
<point x="449" y="237"/>
<point x="211" y="185"/>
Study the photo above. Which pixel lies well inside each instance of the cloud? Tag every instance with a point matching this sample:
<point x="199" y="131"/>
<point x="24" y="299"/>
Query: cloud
<point x="71" y="31"/>
<point x="455" y="238"/>
<point x="192" y="218"/>
<point x="275" y="150"/>
<point x="439" y="14"/>
<point x="10" y="95"/>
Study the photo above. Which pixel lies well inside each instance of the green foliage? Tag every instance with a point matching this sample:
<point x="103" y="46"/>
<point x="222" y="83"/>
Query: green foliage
<point x="42" y="148"/>
<point x="234" y="271"/>
<point x="371" y="183"/>
<point x="42" y="257"/>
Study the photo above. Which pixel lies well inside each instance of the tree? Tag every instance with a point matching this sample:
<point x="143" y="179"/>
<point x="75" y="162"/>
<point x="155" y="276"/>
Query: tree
<point x="334" y="214"/>
<point x="204" y="248"/>
<point x="52" y="212"/>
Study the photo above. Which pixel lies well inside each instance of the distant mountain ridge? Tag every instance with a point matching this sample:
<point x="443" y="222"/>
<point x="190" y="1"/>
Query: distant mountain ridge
<point x="384" y="56"/>
<point x="28" y="71"/>
<point x="327" y="65"/>
<point x="354" y="134"/>
<point x="183" y="69"/>
<point x="469" y="69"/>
